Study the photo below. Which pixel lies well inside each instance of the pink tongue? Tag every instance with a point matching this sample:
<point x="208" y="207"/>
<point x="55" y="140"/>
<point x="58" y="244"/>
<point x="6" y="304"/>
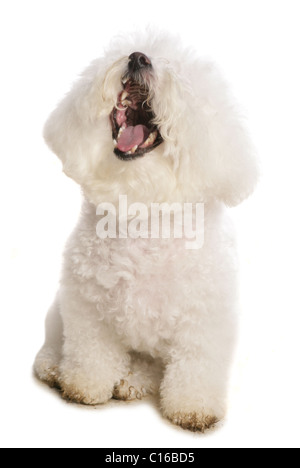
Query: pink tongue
<point x="131" y="137"/>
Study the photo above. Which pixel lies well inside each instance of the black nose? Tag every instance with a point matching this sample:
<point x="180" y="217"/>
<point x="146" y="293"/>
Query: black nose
<point x="137" y="61"/>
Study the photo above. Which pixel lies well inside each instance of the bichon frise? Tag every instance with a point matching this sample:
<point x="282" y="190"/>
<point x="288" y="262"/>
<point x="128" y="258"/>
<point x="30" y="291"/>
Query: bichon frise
<point x="137" y="312"/>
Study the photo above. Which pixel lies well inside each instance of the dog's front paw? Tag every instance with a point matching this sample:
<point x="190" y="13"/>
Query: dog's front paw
<point x="46" y="368"/>
<point x="79" y="387"/>
<point x="196" y="422"/>
<point x="194" y="412"/>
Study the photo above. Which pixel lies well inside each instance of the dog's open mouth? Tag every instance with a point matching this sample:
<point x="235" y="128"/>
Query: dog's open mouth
<point x="134" y="132"/>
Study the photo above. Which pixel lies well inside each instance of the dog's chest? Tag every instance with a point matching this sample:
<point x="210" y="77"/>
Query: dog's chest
<point x="140" y="287"/>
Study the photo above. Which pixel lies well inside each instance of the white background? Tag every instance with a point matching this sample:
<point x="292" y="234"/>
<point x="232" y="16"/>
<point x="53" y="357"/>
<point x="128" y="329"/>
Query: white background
<point x="44" y="45"/>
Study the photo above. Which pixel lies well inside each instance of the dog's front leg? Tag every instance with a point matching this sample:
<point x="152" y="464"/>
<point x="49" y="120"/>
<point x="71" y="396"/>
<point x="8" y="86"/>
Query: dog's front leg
<point x="194" y="389"/>
<point x="93" y="359"/>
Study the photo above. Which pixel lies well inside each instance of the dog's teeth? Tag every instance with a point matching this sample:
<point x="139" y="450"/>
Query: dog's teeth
<point x="115" y="143"/>
<point x="121" y="131"/>
<point x="124" y="96"/>
<point x="133" y="150"/>
<point x="150" y="139"/>
<point x="125" y="102"/>
<point x="124" y="81"/>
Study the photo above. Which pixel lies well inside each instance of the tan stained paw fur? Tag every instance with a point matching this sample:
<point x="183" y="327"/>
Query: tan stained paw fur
<point x="125" y="391"/>
<point x="74" y="396"/>
<point x="51" y="377"/>
<point x="193" y="421"/>
<point x="47" y="373"/>
<point x="82" y="391"/>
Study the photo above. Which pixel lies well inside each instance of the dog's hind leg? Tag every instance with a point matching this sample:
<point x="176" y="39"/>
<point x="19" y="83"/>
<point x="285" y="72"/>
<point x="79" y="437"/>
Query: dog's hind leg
<point x="48" y="359"/>
<point x="143" y="379"/>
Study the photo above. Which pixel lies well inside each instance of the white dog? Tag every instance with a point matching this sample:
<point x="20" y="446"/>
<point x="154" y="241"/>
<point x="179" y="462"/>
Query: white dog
<point x="150" y="121"/>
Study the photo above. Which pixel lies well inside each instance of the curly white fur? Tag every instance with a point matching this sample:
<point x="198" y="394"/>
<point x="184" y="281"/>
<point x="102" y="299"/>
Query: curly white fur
<point x="123" y="301"/>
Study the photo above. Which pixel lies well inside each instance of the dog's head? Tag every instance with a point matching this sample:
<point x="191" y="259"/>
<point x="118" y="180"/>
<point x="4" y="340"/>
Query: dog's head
<point x="151" y="121"/>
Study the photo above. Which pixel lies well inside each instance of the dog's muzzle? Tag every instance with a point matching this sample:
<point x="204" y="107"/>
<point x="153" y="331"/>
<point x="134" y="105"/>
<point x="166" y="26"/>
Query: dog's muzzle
<point x="132" y="119"/>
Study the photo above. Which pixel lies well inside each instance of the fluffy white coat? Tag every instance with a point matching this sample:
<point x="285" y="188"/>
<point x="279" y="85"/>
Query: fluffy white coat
<point x="136" y="316"/>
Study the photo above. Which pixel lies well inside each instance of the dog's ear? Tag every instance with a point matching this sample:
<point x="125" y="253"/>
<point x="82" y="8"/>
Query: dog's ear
<point x="228" y="160"/>
<point x="72" y="130"/>
<point x="62" y="133"/>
